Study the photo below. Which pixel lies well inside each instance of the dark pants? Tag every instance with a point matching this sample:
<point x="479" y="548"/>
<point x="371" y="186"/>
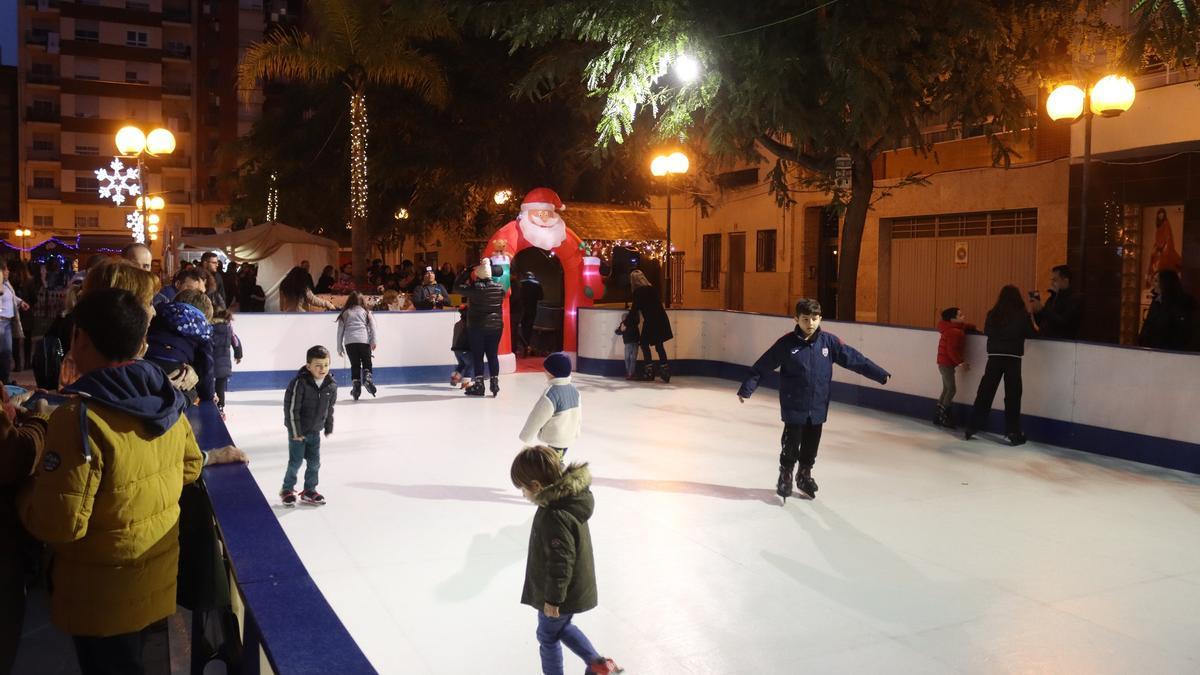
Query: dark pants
<point x="360" y="359"/>
<point x="949" y="386"/>
<point x="1008" y="368"/>
<point x="112" y="655"/>
<point x="552" y="633"/>
<point x="527" y="320"/>
<point x="221" y="384"/>
<point x="12" y="606"/>
<point x="485" y="343"/>
<point x="465" y="367"/>
<point x="307" y="451"/>
<point x="6" y="349"/>
<point x="800" y="443"/>
<point x="662" y="352"/>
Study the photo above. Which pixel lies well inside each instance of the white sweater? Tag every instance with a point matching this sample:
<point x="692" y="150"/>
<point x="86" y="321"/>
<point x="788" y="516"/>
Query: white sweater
<point x="356" y="326"/>
<point x="556" y="417"/>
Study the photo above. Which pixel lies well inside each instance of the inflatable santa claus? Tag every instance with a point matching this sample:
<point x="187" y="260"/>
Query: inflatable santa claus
<point x="540" y="225"/>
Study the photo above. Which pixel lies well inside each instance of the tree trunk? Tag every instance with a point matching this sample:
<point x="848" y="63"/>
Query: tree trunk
<point x="862" y="186"/>
<point x="360" y="241"/>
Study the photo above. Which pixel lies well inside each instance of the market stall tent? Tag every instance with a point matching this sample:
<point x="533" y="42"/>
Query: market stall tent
<point x="276" y="248"/>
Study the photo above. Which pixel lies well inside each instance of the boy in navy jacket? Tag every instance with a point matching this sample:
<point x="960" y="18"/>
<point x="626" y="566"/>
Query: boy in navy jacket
<point x="805" y="358"/>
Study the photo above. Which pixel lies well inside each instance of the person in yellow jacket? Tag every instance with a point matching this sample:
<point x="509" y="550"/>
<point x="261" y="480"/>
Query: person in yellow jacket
<point x="106" y="490"/>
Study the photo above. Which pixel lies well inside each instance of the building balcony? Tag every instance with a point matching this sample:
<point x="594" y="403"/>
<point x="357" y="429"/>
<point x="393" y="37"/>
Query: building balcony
<point x="44" y="193"/>
<point x="177" y="14"/>
<point x="43" y="78"/>
<point x="176" y="89"/>
<point x="36" y="38"/>
<point x="42" y="5"/>
<point x="42" y="154"/>
<point x="134" y="90"/>
<point x="183" y="52"/>
<point x="34" y="114"/>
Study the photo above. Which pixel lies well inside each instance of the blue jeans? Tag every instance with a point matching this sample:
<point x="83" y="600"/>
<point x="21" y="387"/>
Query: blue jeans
<point x="550" y="632"/>
<point x="464" y="367"/>
<point x="308" y="451"/>
<point x="630" y="358"/>
<point x="6" y="339"/>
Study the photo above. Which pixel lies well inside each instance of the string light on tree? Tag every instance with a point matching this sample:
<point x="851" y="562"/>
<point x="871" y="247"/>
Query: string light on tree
<point x="273" y="200"/>
<point x="603" y="248"/>
<point x="122" y="181"/>
<point x="359" y="131"/>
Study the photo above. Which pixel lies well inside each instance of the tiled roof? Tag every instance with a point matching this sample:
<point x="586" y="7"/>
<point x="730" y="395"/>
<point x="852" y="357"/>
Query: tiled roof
<point x="611" y="222"/>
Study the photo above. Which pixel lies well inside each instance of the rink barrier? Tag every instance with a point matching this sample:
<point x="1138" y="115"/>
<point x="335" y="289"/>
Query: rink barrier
<point x="287" y="622"/>
<point x="1145" y="396"/>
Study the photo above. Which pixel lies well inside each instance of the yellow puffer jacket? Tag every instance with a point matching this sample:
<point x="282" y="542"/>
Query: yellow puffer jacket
<point x="112" y="520"/>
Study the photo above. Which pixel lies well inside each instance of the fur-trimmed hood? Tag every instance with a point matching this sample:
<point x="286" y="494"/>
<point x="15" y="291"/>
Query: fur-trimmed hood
<point x="575" y="481"/>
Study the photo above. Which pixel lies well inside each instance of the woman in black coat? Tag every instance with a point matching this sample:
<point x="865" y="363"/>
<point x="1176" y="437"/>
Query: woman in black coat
<point x="1168" y="323"/>
<point x="1007" y="327"/>
<point x="485" y="325"/>
<point x="655" y="326"/>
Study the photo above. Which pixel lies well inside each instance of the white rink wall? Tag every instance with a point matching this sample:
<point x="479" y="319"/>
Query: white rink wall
<point x="1140" y="391"/>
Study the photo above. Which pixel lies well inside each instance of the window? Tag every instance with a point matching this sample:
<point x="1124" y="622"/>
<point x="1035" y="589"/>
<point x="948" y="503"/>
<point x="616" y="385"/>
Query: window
<point x="43" y="220"/>
<point x="87" y="69"/>
<point x="914" y="228"/>
<point x="1014" y="222"/>
<point x="90" y="150"/>
<point x="136" y="38"/>
<point x="764" y="257"/>
<point x="87" y="219"/>
<point x="87" y="106"/>
<point x="43" y="107"/>
<point x="962" y="225"/>
<point x="977" y="224"/>
<point x="43" y="180"/>
<point x="710" y="271"/>
<point x="87" y="31"/>
<point x="86" y="184"/>
<point x="41" y="142"/>
<point x="141" y="5"/>
<point x="733" y="180"/>
<point x="133" y="76"/>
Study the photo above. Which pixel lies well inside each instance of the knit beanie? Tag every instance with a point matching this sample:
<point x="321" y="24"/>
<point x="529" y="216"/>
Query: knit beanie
<point x="484" y="270"/>
<point x="558" y="364"/>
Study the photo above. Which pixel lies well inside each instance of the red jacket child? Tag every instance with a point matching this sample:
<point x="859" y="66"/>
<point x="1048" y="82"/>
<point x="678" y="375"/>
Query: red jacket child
<point x="952" y="341"/>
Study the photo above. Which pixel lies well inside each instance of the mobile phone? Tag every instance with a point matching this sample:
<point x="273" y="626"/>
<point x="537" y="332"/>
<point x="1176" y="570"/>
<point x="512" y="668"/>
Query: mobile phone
<point x="51" y="398"/>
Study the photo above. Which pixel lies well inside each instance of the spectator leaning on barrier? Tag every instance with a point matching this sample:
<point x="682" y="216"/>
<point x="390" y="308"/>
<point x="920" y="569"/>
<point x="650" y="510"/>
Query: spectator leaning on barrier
<point x="211" y="264"/>
<point x="1008" y="325"/>
<point x="953" y="329"/>
<point x="185" y="279"/>
<point x="1062" y="313"/>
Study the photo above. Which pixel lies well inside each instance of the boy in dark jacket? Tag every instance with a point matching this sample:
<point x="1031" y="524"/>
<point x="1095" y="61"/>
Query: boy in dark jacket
<point x="953" y="329"/>
<point x="805" y="358"/>
<point x="180" y="335"/>
<point x="307" y="410"/>
<point x="224" y="340"/>
<point x="560" y="574"/>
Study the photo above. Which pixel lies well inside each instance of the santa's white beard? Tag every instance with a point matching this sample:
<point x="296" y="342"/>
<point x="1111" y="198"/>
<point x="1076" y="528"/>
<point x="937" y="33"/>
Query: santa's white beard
<point x="542" y="233"/>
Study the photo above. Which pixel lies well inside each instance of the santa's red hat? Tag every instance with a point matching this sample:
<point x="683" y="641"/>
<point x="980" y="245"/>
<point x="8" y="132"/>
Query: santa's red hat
<point x="542" y="198"/>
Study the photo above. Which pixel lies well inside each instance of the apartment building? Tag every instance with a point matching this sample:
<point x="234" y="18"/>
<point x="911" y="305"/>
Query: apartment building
<point x="89" y="67"/>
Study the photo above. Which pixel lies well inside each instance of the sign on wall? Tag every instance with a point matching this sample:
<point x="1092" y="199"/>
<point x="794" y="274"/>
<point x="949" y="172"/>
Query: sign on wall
<point x="960" y="253"/>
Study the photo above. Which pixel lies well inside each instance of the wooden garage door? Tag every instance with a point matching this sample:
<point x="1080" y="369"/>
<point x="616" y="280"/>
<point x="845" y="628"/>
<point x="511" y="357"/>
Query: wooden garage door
<point x="925" y="279"/>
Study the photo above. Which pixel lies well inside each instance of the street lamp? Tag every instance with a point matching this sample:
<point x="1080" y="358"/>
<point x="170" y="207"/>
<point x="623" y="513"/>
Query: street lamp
<point x="24" y="235"/>
<point x="1109" y="97"/>
<point x="665" y="166"/>
<point x="133" y="142"/>
<point x="502" y="197"/>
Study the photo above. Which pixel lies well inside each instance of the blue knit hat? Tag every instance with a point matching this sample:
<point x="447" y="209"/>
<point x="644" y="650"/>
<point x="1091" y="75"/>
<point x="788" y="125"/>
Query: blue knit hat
<point x="558" y="364"/>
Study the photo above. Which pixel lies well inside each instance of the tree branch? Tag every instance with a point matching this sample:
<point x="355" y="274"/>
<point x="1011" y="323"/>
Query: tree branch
<point x="794" y="155"/>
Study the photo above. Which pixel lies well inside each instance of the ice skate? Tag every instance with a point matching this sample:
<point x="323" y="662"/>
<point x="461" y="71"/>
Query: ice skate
<point x="648" y="372"/>
<point x="784" y="487"/>
<point x="938" y="414"/>
<point x="604" y="666"/>
<point x="312" y="498"/>
<point x="664" y="371"/>
<point x="1016" y="438"/>
<point x="476" y="388"/>
<point x="355" y="390"/>
<point x="455" y="378"/>
<point x="943" y="418"/>
<point x="495" y="386"/>
<point x="369" y="381"/>
<point x="805" y="485"/>
<point x="288" y="497"/>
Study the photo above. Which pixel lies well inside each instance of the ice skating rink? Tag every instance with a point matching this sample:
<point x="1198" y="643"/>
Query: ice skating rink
<point x="922" y="554"/>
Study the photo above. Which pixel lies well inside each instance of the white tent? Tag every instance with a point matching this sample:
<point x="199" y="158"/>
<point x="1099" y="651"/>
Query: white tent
<point x="276" y="248"/>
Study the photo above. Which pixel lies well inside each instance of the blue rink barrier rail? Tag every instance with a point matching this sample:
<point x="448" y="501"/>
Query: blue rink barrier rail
<point x="286" y="616"/>
<point x="1163" y="452"/>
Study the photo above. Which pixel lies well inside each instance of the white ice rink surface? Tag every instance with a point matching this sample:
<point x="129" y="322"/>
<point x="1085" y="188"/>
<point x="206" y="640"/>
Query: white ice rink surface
<point x="923" y="553"/>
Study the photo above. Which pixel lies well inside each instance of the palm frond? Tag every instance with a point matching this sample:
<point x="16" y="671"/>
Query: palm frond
<point x="290" y="56"/>
<point x="407" y="68"/>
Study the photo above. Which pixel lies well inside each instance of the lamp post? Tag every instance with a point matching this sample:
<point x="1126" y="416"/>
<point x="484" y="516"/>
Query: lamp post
<point x="132" y="142"/>
<point x="1108" y="97"/>
<point x="23" y="235"/>
<point x="665" y="166"/>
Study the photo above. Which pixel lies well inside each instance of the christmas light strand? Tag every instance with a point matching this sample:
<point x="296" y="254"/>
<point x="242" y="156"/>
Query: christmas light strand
<point x="122" y="181"/>
<point x="273" y="200"/>
<point x="603" y="248"/>
<point x="359" y="131"/>
<point x="134" y="222"/>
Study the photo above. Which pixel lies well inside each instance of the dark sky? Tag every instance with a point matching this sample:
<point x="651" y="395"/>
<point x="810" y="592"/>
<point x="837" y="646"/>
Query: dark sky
<point x="8" y="31"/>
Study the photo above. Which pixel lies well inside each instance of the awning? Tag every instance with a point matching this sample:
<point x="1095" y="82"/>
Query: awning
<point x="611" y="222"/>
<point x="259" y="242"/>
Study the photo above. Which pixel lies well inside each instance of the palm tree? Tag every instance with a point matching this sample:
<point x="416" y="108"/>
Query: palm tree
<point x="358" y="43"/>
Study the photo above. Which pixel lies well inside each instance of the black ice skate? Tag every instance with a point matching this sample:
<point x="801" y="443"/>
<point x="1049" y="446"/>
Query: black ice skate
<point x="288" y="497"/>
<point x="664" y="371"/>
<point x="805" y="485"/>
<point x="495" y="386"/>
<point x="1016" y="438"/>
<point x="476" y="388"/>
<point x="356" y="389"/>
<point x="784" y="487"/>
<point x="944" y="419"/>
<point x="648" y="372"/>
<point x="369" y="382"/>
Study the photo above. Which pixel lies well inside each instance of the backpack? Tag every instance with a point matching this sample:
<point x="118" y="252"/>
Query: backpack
<point x="47" y="362"/>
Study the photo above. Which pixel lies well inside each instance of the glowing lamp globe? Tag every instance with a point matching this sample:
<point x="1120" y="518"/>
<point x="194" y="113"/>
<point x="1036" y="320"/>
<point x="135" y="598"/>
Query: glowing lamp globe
<point x="660" y="165"/>
<point x="130" y="141"/>
<point x="687" y="68"/>
<point x="160" y="142"/>
<point x="157" y="203"/>
<point x="502" y="196"/>
<point x="1065" y="103"/>
<point x="677" y="162"/>
<point x="18" y="233"/>
<point x="153" y="224"/>
<point x="153" y="219"/>
<point x="139" y="203"/>
<point x="1112" y="96"/>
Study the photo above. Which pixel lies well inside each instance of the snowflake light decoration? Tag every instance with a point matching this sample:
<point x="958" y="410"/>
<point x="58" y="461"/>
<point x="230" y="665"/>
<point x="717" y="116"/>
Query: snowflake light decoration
<point x="120" y="182"/>
<point x="134" y="222"/>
